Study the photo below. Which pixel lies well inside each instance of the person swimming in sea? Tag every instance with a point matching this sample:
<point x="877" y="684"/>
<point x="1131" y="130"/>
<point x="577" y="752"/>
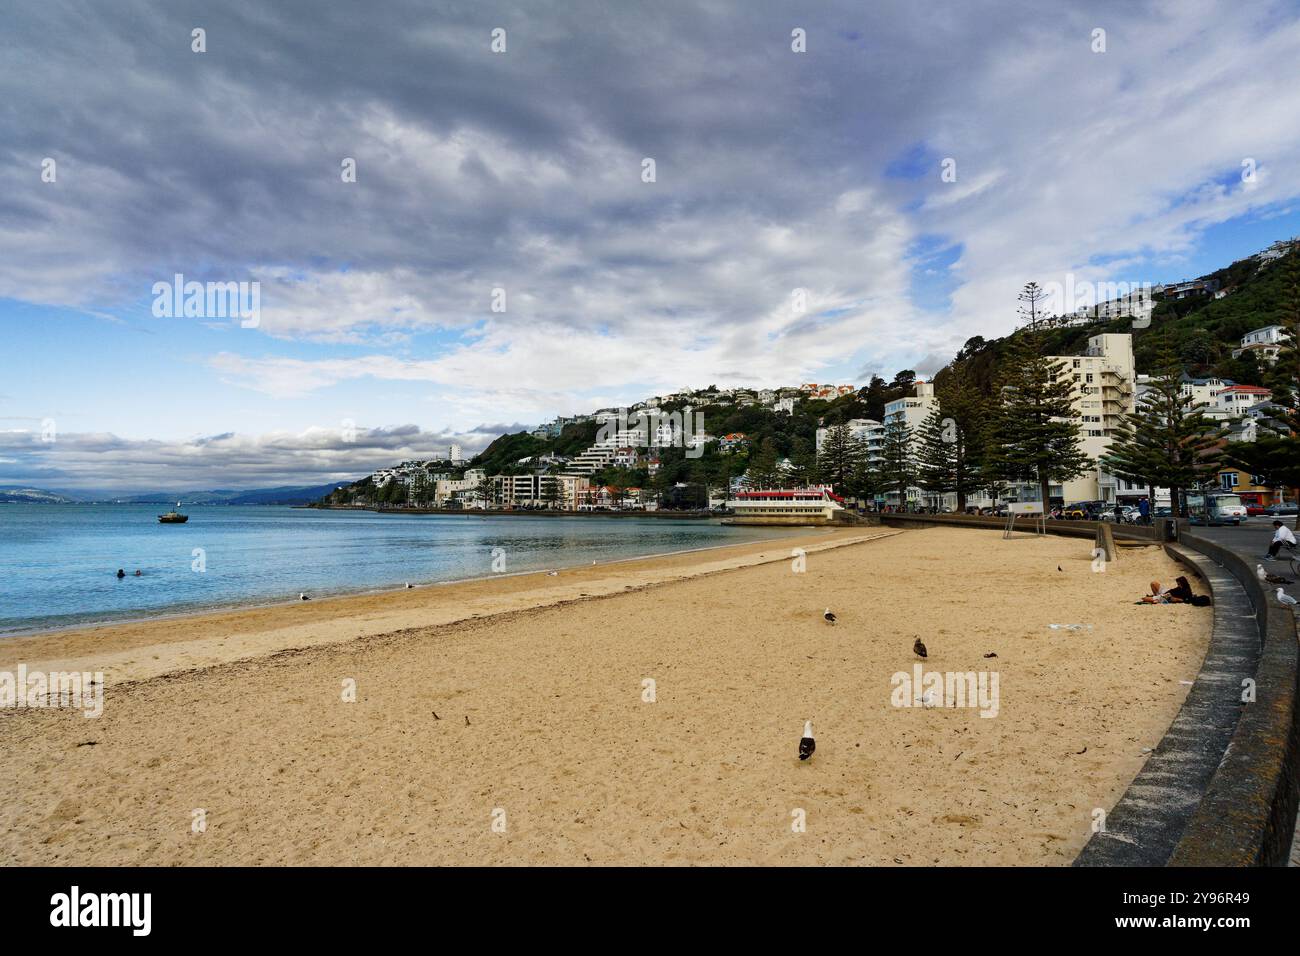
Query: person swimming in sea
<point x="120" y="574"/>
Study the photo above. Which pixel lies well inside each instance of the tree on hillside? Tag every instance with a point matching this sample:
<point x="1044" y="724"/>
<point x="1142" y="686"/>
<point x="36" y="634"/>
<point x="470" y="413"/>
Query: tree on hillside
<point x="763" y="470"/>
<point x="839" y="457"/>
<point x="873" y="398"/>
<point x="1033" y="305"/>
<point x="948" y="440"/>
<point x="1032" y="432"/>
<point x="1275" y="454"/>
<point x="1167" y="441"/>
<point x="897" y="467"/>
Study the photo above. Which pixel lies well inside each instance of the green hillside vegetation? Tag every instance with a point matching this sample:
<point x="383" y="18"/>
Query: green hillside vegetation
<point x="1200" y="331"/>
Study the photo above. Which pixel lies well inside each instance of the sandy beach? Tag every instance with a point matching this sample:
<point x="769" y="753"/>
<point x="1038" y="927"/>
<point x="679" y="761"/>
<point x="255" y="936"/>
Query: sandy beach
<point x="509" y="721"/>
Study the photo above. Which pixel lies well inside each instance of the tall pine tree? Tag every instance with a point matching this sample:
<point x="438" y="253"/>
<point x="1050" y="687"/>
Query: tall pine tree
<point x="947" y="453"/>
<point x="1032" y="433"/>
<point x="897" y="467"/>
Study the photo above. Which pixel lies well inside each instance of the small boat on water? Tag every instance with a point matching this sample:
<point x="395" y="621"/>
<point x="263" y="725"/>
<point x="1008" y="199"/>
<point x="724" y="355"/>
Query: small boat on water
<point x="174" y="517"/>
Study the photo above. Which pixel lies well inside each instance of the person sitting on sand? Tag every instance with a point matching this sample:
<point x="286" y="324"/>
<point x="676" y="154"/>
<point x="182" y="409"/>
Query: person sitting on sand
<point x="1180" y="593"/>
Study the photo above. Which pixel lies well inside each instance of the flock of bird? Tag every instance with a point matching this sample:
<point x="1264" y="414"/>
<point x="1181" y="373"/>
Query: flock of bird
<point x="807" y="744"/>
<point x="1283" y="598"/>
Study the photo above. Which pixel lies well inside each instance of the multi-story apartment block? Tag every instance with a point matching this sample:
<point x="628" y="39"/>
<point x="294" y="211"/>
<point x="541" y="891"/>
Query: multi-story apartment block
<point x="564" y="492"/>
<point x="860" y="429"/>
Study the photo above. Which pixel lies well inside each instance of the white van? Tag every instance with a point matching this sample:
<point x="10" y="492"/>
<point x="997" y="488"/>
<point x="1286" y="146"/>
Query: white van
<point x="1216" y="509"/>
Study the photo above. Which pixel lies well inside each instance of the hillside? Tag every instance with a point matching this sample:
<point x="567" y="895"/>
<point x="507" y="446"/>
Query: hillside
<point x="32" y="496"/>
<point x="1203" y="331"/>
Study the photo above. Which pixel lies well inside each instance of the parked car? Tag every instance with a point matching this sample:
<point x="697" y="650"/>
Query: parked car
<point x="1286" y="508"/>
<point x="1083" y="510"/>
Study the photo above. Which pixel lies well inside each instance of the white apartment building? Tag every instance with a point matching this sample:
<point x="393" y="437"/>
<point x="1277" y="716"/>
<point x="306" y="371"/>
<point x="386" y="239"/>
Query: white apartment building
<point x="447" y="489"/>
<point x="912" y="411"/>
<point x="1105" y="390"/>
<point x="860" y="429"/>
<point x="1104" y="380"/>
<point x="1139" y="304"/>
<point x="565" y="492"/>
<point x="913" y="408"/>
<point x="1266" y="343"/>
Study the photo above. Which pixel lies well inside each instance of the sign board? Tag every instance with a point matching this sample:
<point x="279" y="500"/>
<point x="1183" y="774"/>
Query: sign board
<point x="1025" y="508"/>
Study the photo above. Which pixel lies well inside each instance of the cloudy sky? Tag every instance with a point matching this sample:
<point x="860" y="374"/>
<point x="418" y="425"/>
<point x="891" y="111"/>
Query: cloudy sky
<point x="524" y="171"/>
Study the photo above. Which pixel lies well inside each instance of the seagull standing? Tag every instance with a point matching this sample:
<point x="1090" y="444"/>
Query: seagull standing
<point x="1285" y="599"/>
<point x="806" y="743"/>
<point x="828" y="616"/>
<point x="409" y="585"/>
<point x="918" y="649"/>
<point x="303" y="597"/>
<point x="1260" y="572"/>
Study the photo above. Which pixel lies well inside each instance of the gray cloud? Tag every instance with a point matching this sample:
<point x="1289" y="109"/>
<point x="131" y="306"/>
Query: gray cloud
<point x="776" y="171"/>
<point x="317" y="456"/>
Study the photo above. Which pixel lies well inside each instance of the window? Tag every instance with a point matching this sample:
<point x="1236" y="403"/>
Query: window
<point x="1229" y="480"/>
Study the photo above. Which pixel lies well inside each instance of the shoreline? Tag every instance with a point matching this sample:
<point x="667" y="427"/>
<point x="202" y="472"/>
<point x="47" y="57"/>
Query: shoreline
<point x="365" y="592"/>
<point x="216" y="636"/>
<point x="528" y="699"/>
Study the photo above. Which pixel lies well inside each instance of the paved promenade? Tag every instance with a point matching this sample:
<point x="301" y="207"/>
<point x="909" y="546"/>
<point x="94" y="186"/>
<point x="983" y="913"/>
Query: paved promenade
<point x="1250" y="542"/>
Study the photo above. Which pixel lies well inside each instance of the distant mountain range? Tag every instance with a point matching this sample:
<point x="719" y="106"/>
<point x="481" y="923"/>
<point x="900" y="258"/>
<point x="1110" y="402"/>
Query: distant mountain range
<point x="32" y="496"/>
<point x="285" y="495"/>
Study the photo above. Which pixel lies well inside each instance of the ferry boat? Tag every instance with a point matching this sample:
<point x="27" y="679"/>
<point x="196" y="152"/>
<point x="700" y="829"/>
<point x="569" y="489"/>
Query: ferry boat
<point x="173" y="517"/>
<point x="816" y="502"/>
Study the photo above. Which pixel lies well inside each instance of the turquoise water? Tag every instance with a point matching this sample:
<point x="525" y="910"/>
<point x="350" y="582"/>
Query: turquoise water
<point x="58" y="563"/>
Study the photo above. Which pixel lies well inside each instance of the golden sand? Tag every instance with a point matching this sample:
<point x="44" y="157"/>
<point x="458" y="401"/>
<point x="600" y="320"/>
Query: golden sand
<point x="508" y="721"/>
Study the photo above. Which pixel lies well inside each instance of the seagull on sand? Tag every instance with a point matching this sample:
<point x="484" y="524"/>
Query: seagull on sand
<point x="828" y="616"/>
<point x="409" y="585"/>
<point x="918" y="649"/>
<point x="806" y="743"/>
<point x="1285" y="599"/>
<point x="303" y="597"/>
<point x="552" y="574"/>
